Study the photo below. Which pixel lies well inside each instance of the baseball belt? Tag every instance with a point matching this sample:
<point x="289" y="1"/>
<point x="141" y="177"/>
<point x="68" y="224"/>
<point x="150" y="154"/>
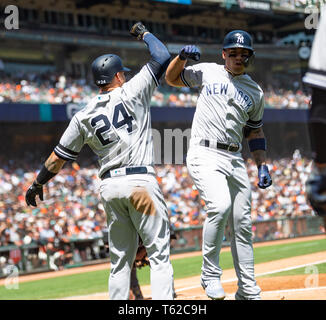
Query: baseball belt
<point x="127" y="171"/>
<point x="233" y="147"/>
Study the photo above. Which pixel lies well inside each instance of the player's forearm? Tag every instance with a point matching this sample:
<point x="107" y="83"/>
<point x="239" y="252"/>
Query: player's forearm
<point x="256" y="138"/>
<point x="51" y="167"/>
<point x="54" y="164"/>
<point x="172" y="75"/>
<point x="259" y="157"/>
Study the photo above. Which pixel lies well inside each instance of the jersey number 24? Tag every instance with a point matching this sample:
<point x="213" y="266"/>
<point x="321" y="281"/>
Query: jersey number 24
<point x="118" y="109"/>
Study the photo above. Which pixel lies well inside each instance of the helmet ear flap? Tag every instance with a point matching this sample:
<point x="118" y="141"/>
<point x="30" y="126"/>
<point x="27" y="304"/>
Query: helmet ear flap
<point x="250" y="59"/>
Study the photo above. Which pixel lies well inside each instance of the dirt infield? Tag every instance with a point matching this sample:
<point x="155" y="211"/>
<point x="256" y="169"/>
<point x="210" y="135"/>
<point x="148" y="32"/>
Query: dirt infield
<point x="276" y="288"/>
<point x="306" y="287"/>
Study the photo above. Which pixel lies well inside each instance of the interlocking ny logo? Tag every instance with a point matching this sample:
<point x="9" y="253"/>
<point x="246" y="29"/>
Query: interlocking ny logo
<point x="240" y="38"/>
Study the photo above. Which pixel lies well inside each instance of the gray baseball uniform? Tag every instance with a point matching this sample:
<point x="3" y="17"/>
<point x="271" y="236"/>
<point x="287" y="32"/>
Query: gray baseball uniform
<point x="117" y="127"/>
<point x="225" y="105"/>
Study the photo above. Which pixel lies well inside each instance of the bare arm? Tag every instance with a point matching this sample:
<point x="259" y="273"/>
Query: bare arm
<point x="258" y="155"/>
<point x="54" y="164"/>
<point x="172" y="75"/>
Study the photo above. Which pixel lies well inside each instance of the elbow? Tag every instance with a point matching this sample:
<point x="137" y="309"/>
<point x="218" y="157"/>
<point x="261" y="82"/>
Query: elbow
<point x="171" y="81"/>
<point x="162" y="57"/>
<point x="166" y="60"/>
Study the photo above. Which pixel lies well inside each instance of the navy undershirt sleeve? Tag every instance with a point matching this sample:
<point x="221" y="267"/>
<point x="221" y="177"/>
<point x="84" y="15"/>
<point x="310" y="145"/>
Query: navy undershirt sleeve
<point x="160" y="56"/>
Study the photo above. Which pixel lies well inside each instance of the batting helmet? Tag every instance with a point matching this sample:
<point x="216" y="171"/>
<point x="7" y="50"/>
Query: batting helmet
<point x="238" y="39"/>
<point x="105" y="67"/>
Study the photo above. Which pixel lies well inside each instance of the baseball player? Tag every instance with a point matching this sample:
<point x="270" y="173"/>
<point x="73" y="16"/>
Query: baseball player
<point x="316" y="78"/>
<point x="116" y="125"/>
<point x="229" y="103"/>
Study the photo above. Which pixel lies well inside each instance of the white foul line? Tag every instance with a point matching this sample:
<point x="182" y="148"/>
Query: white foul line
<point x="292" y="268"/>
<point x="296" y="290"/>
<point x="260" y="274"/>
<point x="235" y="279"/>
<point x="264" y="292"/>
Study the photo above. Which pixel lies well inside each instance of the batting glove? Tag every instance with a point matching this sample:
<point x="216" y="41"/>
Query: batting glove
<point x="33" y="190"/>
<point x="189" y="52"/>
<point x="138" y="30"/>
<point x="316" y="193"/>
<point x="264" y="177"/>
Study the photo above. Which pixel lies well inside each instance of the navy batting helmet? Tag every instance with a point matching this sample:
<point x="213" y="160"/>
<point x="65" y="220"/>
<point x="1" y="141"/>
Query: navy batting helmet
<point x="238" y="39"/>
<point x="105" y="67"/>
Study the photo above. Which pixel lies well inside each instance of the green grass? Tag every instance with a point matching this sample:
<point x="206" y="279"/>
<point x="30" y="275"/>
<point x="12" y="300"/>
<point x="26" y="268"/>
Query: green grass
<point x="97" y="281"/>
<point x="59" y="287"/>
<point x="282" y="251"/>
<point x="191" y="266"/>
<point x="320" y="268"/>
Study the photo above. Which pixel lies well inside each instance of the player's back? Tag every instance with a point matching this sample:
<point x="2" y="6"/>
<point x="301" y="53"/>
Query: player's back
<point x="117" y="125"/>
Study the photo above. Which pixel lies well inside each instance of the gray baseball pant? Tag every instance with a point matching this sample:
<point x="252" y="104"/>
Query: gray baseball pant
<point x="135" y="206"/>
<point x="222" y="181"/>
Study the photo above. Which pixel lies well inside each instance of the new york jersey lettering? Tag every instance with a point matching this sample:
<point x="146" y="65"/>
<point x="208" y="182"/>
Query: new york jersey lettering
<point x="216" y="88"/>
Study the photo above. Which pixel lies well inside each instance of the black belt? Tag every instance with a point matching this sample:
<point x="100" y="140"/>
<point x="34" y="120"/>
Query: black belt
<point x="233" y="147"/>
<point x="128" y="170"/>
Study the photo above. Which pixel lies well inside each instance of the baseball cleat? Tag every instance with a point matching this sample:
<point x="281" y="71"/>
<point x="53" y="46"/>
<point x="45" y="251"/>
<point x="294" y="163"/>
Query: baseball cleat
<point x="213" y="289"/>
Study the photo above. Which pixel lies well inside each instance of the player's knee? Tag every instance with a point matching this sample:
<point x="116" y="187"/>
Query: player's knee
<point x="243" y="229"/>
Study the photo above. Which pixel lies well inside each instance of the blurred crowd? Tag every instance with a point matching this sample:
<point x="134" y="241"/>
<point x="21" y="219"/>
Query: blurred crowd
<point x="71" y="212"/>
<point x="286" y="99"/>
<point x="44" y="88"/>
<point x="72" y="209"/>
<point x="285" y="198"/>
<point x="58" y="88"/>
